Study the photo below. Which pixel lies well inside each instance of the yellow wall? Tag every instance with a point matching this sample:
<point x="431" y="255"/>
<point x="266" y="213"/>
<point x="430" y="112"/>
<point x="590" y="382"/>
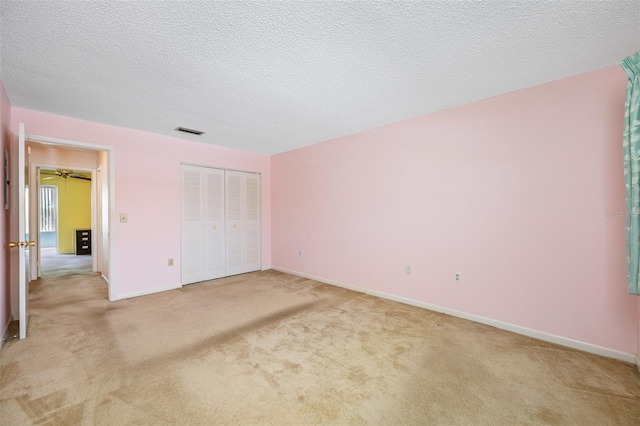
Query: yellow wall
<point x="74" y="209"/>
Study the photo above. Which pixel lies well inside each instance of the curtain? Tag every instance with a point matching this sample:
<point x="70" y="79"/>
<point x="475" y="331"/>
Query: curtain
<point x="631" y="147"/>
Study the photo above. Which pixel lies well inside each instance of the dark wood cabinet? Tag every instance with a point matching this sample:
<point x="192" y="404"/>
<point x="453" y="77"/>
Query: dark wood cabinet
<point x="83" y="241"/>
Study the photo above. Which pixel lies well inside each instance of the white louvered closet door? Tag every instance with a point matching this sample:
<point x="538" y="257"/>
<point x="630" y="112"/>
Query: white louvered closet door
<point x="253" y="254"/>
<point x="220" y="233"/>
<point x="242" y="196"/>
<point x="214" y="231"/>
<point x="192" y="241"/>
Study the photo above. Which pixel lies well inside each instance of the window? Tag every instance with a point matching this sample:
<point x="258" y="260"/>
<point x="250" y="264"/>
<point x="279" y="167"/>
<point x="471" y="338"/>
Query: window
<point x="48" y="208"/>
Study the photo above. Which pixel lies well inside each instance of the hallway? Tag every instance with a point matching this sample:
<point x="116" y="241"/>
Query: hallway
<point x="55" y="265"/>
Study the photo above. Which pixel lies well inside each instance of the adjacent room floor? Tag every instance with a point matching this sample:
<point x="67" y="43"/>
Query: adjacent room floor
<point x="271" y="348"/>
<point x="53" y="264"/>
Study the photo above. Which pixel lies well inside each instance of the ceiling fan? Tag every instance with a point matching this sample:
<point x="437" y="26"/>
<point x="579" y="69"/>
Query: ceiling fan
<point x="64" y="174"/>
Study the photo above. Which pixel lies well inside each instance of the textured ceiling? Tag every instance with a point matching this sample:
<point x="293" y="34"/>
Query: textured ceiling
<point x="269" y="77"/>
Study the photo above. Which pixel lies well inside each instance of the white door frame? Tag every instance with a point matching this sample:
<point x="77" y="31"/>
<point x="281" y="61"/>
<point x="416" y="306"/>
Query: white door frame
<point x="34" y="211"/>
<point x="47" y="140"/>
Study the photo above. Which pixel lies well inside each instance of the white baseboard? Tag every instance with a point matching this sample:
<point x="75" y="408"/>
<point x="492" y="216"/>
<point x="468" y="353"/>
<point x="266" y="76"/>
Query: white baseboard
<point x="552" y="338"/>
<point x="4" y="332"/>
<point x="145" y="292"/>
<point x="105" y="279"/>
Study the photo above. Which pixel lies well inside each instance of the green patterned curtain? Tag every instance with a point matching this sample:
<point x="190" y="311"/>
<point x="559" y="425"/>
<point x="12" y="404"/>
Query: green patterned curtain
<point x="631" y="146"/>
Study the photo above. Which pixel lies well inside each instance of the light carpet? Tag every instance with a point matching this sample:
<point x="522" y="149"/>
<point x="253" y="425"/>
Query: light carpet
<point x="271" y="348"/>
<point x="53" y="264"/>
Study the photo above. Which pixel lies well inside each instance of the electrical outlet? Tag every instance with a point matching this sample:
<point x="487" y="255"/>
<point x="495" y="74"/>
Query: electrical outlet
<point x="457" y="277"/>
<point x="407" y="270"/>
<point x="300" y="253"/>
<point x="170" y="262"/>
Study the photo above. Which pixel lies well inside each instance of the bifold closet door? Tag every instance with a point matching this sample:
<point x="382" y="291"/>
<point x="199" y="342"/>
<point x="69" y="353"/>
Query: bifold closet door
<point x="202" y="240"/>
<point x="242" y="200"/>
<point x="214" y="232"/>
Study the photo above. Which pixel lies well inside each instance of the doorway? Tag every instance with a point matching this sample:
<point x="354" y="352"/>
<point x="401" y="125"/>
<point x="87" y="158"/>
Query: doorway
<point x="72" y="163"/>
<point x="64" y="222"/>
<point x="25" y="208"/>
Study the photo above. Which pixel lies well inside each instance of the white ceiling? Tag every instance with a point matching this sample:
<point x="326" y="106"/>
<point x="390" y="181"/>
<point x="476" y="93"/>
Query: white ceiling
<point x="270" y="77"/>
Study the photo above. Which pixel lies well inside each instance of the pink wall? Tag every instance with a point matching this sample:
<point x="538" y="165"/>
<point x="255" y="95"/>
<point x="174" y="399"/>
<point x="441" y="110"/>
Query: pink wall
<point x="5" y="141"/>
<point x="511" y="191"/>
<point x="147" y="188"/>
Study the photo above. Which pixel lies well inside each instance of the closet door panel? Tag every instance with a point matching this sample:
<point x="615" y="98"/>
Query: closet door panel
<point x="243" y="222"/>
<point x="192" y="241"/>
<point x="234" y="201"/>
<point x="251" y="225"/>
<point x="214" y="231"/>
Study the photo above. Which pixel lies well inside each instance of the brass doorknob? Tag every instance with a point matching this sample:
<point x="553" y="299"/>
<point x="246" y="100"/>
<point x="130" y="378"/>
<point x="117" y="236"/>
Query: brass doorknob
<point x="235" y="226"/>
<point x="22" y="244"/>
<point x="215" y="227"/>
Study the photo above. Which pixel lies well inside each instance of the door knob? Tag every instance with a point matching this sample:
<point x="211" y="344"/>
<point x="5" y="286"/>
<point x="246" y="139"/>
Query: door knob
<point x="235" y="226"/>
<point x="22" y="244"/>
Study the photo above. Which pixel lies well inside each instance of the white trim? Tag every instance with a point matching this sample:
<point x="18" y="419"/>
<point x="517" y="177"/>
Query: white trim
<point x="112" y="286"/>
<point x="94" y="219"/>
<point x="104" y="278"/>
<point x="4" y="333"/>
<point x="547" y="337"/>
<point x="67" y="142"/>
<point x="146" y="292"/>
<point x="221" y="168"/>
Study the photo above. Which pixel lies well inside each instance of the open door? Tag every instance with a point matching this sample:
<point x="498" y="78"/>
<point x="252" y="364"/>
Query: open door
<point x="20" y="239"/>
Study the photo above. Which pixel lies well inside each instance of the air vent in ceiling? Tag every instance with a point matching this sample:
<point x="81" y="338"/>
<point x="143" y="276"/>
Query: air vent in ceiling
<point x="193" y="132"/>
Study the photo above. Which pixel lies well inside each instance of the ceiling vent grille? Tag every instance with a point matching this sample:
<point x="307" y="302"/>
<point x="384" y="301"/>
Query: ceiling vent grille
<point x="193" y="132"/>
